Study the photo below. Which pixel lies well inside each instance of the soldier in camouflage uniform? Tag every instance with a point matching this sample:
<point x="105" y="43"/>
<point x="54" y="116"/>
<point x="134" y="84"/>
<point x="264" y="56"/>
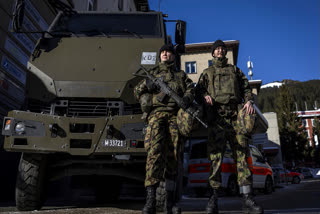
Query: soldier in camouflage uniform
<point x="162" y="135"/>
<point x="225" y="90"/>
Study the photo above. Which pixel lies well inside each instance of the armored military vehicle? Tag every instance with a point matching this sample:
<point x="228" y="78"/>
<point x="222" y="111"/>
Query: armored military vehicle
<point x="81" y="117"/>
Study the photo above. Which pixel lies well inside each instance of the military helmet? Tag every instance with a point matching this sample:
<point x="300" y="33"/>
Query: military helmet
<point x="216" y="44"/>
<point x="168" y="47"/>
<point x="246" y="122"/>
<point x="185" y="122"/>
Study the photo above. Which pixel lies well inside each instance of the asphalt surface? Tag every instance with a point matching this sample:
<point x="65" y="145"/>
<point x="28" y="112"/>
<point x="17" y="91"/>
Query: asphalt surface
<point x="293" y="198"/>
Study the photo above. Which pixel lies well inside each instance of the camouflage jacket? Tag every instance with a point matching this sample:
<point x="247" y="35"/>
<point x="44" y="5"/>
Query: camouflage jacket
<point x="224" y="82"/>
<point x="177" y="80"/>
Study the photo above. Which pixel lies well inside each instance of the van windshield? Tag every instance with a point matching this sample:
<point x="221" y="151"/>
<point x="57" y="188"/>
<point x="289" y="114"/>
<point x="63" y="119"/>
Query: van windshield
<point x="108" y="24"/>
<point x="199" y="151"/>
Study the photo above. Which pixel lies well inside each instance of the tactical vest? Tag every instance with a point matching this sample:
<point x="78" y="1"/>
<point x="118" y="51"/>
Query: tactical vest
<point x="223" y="84"/>
<point x="175" y="80"/>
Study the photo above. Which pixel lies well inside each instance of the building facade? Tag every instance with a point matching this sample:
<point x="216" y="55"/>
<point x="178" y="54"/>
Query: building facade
<point x="308" y="120"/>
<point x="16" y="48"/>
<point x="272" y="148"/>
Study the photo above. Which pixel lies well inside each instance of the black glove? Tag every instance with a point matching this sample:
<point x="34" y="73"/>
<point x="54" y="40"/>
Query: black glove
<point x="186" y="102"/>
<point x="151" y="85"/>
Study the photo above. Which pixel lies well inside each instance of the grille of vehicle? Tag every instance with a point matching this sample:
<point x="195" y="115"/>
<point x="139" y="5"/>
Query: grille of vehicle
<point x="95" y="108"/>
<point x="85" y="108"/>
<point x="38" y="106"/>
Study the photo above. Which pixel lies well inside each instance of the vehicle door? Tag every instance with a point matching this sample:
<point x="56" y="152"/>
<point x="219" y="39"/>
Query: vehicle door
<point x="199" y="165"/>
<point x="259" y="168"/>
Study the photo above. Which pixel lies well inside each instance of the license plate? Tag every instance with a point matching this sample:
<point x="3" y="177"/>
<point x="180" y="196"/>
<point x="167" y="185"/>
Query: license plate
<point x="114" y="143"/>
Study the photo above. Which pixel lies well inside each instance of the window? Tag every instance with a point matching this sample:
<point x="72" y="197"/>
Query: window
<point x="199" y="151"/>
<point x="191" y="67"/>
<point x="228" y="152"/>
<point x="209" y="62"/>
<point x="256" y="155"/>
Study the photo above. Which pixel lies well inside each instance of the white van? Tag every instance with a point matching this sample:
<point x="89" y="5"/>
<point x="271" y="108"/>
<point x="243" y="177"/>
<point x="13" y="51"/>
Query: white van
<point x="199" y="168"/>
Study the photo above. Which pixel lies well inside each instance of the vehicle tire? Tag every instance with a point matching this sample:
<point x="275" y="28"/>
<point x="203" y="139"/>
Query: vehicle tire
<point x="107" y="189"/>
<point x="296" y="180"/>
<point x="233" y="188"/>
<point x="30" y="184"/>
<point x="161" y="196"/>
<point x="268" y="188"/>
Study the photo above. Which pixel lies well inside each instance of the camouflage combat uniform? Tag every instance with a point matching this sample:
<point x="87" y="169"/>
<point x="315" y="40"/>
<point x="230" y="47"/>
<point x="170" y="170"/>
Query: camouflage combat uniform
<point x="162" y="141"/>
<point x="229" y="88"/>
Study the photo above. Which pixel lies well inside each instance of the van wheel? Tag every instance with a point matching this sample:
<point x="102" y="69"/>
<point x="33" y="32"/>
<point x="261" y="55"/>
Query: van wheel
<point x="268" y="187"/>
<point x="233" y="188"/>
<point x="296" y="180"/>
<point x="30" y="185"/>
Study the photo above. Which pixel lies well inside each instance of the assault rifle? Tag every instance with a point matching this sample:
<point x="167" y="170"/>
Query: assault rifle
<point x="193" y="110"/>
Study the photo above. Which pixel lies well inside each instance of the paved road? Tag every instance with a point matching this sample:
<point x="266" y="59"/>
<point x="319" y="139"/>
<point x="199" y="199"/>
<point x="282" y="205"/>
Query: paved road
<point x="298" y="199"/>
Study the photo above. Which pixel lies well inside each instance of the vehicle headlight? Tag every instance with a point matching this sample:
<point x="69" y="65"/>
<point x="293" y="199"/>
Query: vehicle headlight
<point x="7" y="125"/>
<point x="20" y="128"/>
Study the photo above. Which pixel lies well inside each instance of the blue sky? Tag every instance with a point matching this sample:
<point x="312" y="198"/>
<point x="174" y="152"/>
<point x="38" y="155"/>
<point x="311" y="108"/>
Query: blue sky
<point x="280" y="36"/>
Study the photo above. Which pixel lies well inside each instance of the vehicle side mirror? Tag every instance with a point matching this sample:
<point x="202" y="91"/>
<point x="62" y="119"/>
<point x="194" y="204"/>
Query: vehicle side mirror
<point x="18" y="15"/>
<point x="180" y="34"/>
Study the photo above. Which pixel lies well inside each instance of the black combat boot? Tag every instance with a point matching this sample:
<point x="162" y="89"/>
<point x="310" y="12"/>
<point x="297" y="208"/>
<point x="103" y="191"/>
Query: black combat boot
<point x="250" y="206"/>
<point x="150" y="206"/>
<point x="212" y="207"/>
<point x="170" y="205"/>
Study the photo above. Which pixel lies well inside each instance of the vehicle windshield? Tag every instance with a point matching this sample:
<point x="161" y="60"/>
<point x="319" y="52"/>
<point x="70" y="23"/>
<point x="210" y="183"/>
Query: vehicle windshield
<point x="199" y="150"/>
<point x="110" y="25"/>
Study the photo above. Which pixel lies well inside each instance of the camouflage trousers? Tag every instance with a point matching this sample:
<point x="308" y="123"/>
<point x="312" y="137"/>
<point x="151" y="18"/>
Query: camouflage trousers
<point x="223" y="130"/>
<point x="162" y="146"/>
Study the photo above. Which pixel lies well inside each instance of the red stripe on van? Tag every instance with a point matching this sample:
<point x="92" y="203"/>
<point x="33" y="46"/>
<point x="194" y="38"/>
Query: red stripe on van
<point x="257" y="170"/>
<point x="228" y="168"/>
<point x="199" y="168"/>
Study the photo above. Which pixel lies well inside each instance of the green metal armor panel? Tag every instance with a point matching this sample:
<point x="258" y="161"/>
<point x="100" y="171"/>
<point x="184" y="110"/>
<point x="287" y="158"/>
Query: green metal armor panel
<point x="97" y="67"/>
